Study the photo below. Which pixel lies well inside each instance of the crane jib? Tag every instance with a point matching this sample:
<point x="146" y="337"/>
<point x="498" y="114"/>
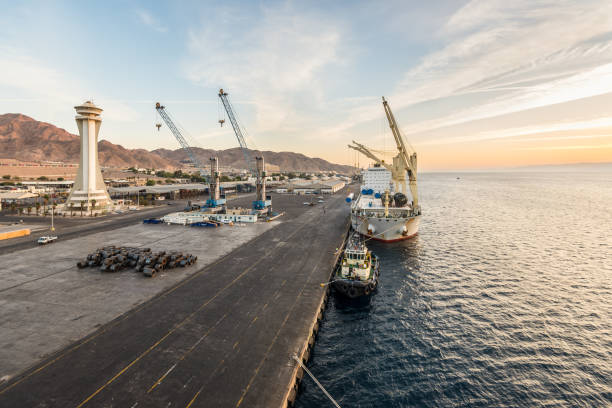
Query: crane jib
<point x="237" y="130"/>
<point x="177" y="134"/>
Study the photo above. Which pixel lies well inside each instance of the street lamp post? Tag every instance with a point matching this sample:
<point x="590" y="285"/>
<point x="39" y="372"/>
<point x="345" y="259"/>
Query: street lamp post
<point x="52" y="211"/>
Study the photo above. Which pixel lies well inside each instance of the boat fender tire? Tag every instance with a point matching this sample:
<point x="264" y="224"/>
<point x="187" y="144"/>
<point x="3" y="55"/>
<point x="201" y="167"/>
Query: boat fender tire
<point x="366" y="290"/>
<point x="344" y="288"/>
<point x="352" y="292"/>
<point x="371" y="286"/>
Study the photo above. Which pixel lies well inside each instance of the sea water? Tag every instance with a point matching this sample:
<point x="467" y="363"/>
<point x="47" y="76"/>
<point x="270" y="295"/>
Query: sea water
<point x="504" y="299"/>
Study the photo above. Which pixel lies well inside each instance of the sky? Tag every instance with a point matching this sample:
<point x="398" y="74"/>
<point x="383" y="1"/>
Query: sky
<point x="472" y="84"/>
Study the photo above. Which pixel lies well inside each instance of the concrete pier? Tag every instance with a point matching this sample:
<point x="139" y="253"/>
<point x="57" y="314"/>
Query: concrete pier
<point x="221" y="337"/>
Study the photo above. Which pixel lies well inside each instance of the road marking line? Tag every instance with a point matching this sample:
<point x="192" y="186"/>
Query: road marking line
<point x="180" y="324"/>
<point x="202" y="387"/>
<point x="187" y="352"/>
<point x="110" y="325"/>
<point x="162" y="378"/>
<point x="194" y="398"/>
<point x="246" y="390"/>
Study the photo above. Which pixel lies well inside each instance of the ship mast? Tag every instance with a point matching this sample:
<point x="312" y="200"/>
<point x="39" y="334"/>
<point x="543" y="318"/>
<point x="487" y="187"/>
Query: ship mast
<point x="406" y="160"/>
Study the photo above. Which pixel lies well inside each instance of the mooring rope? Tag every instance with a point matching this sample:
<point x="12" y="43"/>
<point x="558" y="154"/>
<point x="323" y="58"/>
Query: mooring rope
<point x="295" y="357"/>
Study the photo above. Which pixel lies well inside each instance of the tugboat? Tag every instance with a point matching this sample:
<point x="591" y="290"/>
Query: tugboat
<point x="357" y="273"/>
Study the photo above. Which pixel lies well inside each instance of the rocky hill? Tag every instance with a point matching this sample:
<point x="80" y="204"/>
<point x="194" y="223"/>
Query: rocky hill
<point x="26" y="139"/>
<point x="286" y="161"/>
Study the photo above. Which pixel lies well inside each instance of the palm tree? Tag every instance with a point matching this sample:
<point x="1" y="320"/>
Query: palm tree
<point x="93" y="205"/>
<point x="45" y="202"/>
<point x="71" y="209"/>
<point x="37" y="205"/>
<point x="29" y="209"/>
<point x="13" y="206"/>
<point x="82" y="207"/>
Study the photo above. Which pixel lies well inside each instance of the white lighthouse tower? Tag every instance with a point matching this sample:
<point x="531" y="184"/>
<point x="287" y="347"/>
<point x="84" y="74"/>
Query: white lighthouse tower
<point x="89" y="184"/>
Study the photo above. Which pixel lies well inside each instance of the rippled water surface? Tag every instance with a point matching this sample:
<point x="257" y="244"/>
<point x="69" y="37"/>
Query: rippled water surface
<point x="504" y="299"/>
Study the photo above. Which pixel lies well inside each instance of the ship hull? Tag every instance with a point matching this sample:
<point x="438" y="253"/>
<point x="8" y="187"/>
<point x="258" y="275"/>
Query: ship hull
<point x="386" y="229"/>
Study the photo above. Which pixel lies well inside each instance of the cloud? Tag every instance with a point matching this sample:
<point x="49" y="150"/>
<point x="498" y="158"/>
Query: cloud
<point x="26" y="78"/>
<point x="504" y="57"/>
<point x="570" y="147"/>
<point x="271" y="60"/>
<point x="514" y="132"/>
<point x="149" y="20"/>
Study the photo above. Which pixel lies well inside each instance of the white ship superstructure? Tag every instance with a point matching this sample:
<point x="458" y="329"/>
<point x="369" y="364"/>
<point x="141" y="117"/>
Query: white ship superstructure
<point x="382" y="211"/>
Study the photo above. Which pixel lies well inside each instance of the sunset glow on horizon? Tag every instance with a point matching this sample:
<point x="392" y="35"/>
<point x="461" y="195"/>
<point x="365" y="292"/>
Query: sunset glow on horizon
<point x="473" y="84"/>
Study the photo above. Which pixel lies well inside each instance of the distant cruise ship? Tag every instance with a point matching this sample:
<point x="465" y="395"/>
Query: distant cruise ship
<point x="382" y="211"/>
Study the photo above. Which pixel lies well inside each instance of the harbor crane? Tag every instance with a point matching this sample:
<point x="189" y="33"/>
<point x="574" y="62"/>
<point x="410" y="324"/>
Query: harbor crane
<point x="230" y="114"/>
<point x="262" y="201"/>
<point x="161" y="109"/>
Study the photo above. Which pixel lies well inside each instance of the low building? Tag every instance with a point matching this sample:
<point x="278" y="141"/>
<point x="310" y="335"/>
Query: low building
<point x="15" y="197"/>
<point x="333" y="186"/>
<point x="168" y="191"/>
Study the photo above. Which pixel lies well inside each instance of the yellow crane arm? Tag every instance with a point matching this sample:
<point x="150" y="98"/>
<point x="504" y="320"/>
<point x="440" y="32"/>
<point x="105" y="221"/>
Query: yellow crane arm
<point x="409" y="159"/>
<point x="367" y="152"/>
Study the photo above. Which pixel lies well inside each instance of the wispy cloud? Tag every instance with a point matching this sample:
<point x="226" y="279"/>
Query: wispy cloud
<point x="273" y="61"/>
<point x="561" y="126"/>
<point x="23" y="74"/>
<point x="570" y="147"/>
<point x="504" y="57"/>
<point x="148" y="19"/>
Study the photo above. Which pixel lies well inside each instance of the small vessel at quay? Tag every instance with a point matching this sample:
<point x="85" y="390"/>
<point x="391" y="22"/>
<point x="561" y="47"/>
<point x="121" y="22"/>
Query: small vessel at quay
<point x="357" y="273"/>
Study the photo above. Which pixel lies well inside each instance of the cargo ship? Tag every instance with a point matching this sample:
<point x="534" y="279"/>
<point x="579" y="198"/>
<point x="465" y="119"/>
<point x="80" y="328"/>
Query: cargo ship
<point x="382" y="211"/>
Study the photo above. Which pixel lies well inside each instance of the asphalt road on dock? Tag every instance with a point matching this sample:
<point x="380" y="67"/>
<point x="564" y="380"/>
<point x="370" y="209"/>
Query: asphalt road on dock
<point x="223" y="337"/>
<point x="67" y="228"/>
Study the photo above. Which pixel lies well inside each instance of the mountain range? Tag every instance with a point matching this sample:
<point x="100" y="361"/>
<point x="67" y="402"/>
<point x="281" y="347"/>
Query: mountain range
<point x="26" y="139"/>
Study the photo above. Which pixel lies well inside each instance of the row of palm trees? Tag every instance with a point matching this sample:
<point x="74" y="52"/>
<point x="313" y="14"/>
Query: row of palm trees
<point x="37" y="206"/>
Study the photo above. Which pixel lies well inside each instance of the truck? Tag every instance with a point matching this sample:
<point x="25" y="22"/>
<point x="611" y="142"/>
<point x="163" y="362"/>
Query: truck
<point x="46" y="240"/>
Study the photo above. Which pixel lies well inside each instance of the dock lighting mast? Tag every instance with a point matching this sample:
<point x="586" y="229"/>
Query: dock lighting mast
<point x="230" y="114"/>
<point x="161" y="109"/>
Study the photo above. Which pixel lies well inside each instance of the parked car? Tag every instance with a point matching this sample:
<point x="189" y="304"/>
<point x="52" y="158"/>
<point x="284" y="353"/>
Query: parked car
<point x="46" y="240"/>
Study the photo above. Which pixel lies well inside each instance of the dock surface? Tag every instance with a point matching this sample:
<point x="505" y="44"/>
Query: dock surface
<point x="222" y="337"/>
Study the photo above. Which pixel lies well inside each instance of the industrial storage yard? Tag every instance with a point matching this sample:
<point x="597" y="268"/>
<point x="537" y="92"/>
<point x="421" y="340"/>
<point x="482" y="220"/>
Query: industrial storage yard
<point x="225" y="328"/>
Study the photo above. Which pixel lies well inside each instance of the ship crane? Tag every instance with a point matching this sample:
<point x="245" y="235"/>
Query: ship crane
<point x="397" y="172"/>
<point x="161" y="109"/>
<point x="406" y="159"/>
